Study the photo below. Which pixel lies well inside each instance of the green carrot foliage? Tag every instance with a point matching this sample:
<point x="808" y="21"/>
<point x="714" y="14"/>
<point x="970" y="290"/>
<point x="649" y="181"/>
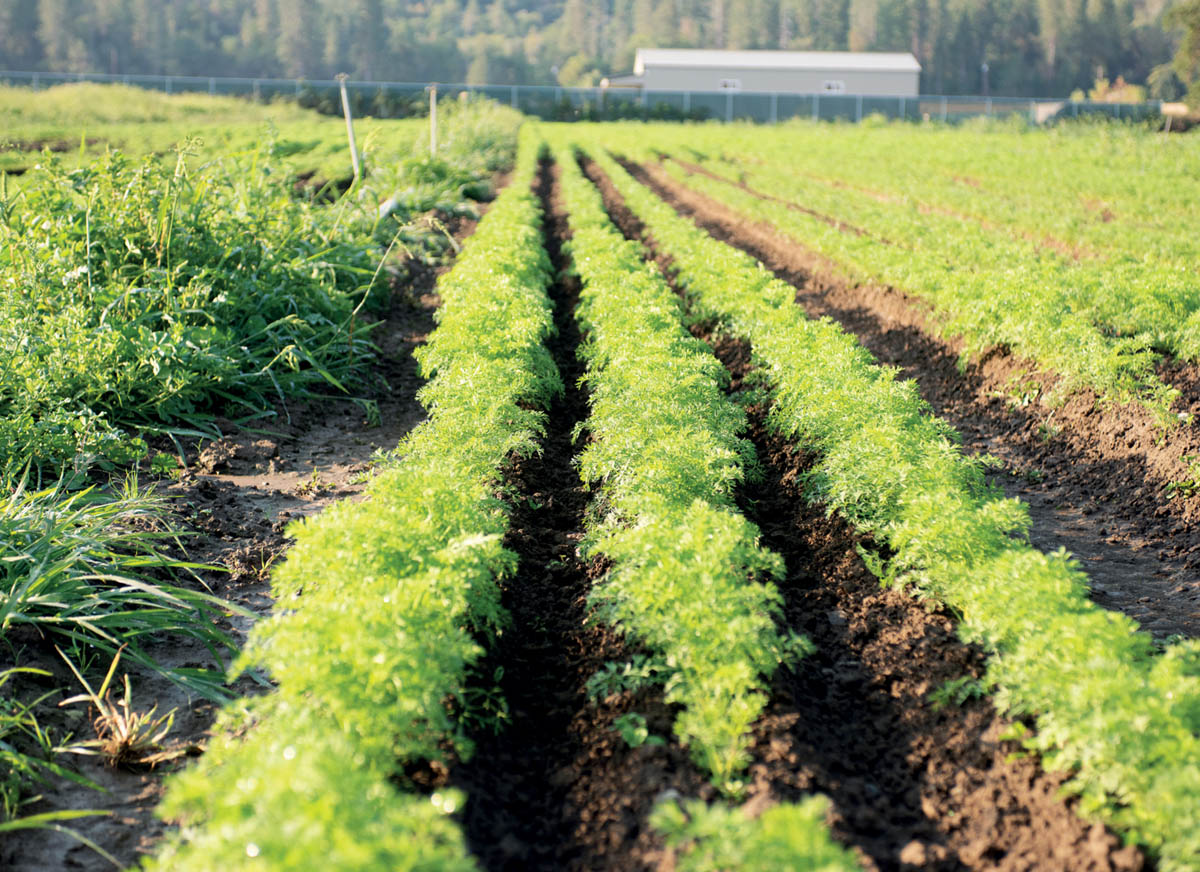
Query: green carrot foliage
<point x="1121" y="719"/>
<point x="382" y="605"/>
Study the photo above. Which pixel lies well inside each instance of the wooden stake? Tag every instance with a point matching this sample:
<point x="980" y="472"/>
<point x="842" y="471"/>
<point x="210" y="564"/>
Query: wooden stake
<point x="433" y="119"/>
<point x="341" y="77"/>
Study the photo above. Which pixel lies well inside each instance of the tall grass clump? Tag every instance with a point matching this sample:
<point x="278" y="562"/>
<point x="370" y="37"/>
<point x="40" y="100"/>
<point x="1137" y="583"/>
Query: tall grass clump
<point x="1123" y="720"/>
<point x="134" y="296"/>
<point x="76" y="567"/>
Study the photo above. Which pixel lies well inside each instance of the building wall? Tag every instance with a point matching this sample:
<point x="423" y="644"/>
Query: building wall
<point x="874" y="82"/>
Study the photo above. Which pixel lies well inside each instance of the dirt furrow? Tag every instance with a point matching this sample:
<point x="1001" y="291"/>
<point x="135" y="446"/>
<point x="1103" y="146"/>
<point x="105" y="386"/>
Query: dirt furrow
<point x="918" y="780"/>
<point x="558" y="788"/>
<point x="1098" y="478"/>
<point x="918" y="774"/>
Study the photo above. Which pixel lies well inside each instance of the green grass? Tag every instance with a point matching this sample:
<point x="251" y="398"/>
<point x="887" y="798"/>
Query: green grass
<point x="144" y="295"/>
<point x="76" y="567"/>
<point x="137" y="297"/>
<point x="83" y="121"/>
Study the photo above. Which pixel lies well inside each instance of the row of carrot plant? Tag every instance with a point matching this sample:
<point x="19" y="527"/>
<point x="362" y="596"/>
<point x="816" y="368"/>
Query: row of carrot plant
<point x="1138" y="295"/>
<point x="688" y="577"/>
<point x="143" y="297"/>
<point x="381" y="605"/>
<point x="1111" y="193"/>
<point x="1100" y="323"/>
<point x="1123" y="718"/>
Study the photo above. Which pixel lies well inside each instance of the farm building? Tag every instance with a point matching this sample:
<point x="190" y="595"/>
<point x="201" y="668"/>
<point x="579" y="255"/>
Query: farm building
<point x="895" y="74"/>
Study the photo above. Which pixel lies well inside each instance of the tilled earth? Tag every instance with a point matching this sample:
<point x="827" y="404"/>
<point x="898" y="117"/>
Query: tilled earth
<point x="1096" y="476"/>
<point x="915" y="782"/>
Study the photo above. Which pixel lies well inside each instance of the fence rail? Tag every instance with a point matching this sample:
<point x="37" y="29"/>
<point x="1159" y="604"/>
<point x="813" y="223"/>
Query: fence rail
<point x="564" y="104"/>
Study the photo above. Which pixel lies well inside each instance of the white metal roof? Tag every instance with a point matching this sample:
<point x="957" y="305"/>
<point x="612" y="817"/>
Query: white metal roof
<point x="877" y="61"/>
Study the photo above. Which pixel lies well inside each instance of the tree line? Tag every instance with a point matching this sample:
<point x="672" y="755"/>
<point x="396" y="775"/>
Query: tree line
<point x="1004" y="47"/>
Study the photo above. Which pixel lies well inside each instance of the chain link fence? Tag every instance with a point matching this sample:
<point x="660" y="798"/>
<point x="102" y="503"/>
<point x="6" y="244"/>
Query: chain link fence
<point x="403" y="99"/>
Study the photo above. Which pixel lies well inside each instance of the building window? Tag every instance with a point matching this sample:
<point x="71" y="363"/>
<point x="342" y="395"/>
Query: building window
<point x="731" y="85"/>
<point x="833" y="86"/>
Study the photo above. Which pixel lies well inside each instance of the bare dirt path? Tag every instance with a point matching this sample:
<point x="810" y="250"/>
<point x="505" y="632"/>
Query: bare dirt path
<point x="1095" y="477"/>
<point x="234" y="501"/>
<point x="915" y="783"/>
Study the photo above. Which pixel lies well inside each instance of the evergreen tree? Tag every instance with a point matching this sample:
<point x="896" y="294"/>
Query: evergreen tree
<point x="1032" y="47"/>
<point x="1186" y="17"/>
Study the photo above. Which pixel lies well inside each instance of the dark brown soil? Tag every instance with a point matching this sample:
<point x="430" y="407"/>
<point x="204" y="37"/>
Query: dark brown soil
<point x="55" y="145"/>
<point x="319" y="188"/>
<point x="914" y="784"/>
<point x="1095" y="476"/>
<point x="234" y="500"/>
<point x="558" y="788"/>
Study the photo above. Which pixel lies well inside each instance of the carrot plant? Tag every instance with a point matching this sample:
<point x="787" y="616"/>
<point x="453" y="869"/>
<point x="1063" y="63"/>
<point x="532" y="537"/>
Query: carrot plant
<point x="666" y="455"/>
<point x="989" y="291"/>
<point x="689" y="578"/>
<point x="1122" y="720"/>
<point x="716" y="838"/>
<point x="382" y="605"/>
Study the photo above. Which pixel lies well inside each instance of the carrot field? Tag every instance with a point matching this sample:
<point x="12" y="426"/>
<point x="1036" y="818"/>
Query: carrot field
<point x="601" y="496"/>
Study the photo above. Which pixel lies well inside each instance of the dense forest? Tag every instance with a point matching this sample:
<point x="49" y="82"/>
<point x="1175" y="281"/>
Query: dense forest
<point x="1030" y="47"/>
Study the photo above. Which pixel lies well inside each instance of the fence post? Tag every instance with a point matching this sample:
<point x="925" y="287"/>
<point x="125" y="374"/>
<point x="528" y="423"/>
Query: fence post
<point x="988" y="108"/>
<point x="341" y="77"/>
<point x="1033" y="111"/>
<point x="35" y="81"/>
<point x="212" y="86"/>
<point x="512" y="97"/>
<point x="728" y="106"/>
<point x="774" y="107"/>
<point x="945" y="108"/>
<point x="816" y="107"/>
<point x="858" y="107"/>
<point x="167" y="84"/>
<point x="433" y="118"/>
